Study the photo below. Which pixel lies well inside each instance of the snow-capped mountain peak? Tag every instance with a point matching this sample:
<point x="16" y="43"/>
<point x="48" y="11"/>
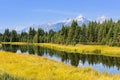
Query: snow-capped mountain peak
<point x="49" y="24"/>
<point x="80" y="18"/>
<point x="67" y="20"/>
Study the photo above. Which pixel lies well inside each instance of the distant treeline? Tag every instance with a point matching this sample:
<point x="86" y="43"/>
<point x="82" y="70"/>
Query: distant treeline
<point x="106" y="33"/>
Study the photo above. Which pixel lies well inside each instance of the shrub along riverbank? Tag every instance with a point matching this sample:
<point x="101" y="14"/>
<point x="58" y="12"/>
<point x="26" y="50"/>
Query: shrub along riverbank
<point x="39" y="68"/>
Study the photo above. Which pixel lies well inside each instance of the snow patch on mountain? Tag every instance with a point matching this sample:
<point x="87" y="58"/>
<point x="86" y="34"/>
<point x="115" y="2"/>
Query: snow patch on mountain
<point x="101" y="19"/>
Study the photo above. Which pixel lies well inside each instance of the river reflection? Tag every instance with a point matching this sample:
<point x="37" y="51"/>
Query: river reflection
<point x="99" y="62"/>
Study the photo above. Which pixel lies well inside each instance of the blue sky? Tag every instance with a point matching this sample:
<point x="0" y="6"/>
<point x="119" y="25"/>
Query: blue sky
<point x="18" y="13"/>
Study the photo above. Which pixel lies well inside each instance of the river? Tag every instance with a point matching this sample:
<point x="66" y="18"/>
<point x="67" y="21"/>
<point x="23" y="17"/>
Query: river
<point x="99" y="62"/>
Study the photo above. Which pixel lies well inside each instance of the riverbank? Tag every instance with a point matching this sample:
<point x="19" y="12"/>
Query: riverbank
<point x="39" y="68"/>
<point x="83" y="49"/>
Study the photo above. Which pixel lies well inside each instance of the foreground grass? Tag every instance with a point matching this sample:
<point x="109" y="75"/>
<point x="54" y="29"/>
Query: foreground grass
<point x="39" y="68"/>
<point x="84" y="49"/>
<point x="6" y="76"/>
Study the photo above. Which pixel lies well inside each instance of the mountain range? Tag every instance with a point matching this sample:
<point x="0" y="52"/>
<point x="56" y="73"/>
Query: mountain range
<point x="57" y="25"/>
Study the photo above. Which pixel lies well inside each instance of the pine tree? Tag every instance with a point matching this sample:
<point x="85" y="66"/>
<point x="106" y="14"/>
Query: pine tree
<point x="99" y="34"/>
<point x="110" y="35"/>
<point x="1" y="37"/>
<point x="6" y="35"/>
<point x="90" y="32"/>
<point x="64" y="34"/>
<point x="77" y="35"/>
<point x="13" y="36"/>
<point x="24" y="37"/>
<point x="82" y="35"/>
<point x="50" y="35"/>
<point x="71" y="33"/>
<point x="32" y="33"/>
<point x="40" y="34"/>
<point x="36" y="39"/>
<point x="115" y="33"/>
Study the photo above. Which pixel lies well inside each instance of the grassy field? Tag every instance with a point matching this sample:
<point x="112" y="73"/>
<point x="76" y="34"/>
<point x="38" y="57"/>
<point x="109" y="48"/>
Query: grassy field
<point x="83" y="49"/>
<point x="39" y="68"/>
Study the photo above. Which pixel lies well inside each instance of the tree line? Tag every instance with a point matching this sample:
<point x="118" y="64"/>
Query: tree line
<point x="106" y="33"/>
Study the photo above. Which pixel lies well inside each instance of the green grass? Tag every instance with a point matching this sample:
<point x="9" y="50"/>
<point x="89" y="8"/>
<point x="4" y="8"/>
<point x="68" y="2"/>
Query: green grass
<point x="40" y="68"/>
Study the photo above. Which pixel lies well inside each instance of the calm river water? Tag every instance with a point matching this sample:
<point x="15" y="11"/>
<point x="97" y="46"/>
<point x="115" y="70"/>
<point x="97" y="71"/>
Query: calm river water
<point x="98" y="62"/>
